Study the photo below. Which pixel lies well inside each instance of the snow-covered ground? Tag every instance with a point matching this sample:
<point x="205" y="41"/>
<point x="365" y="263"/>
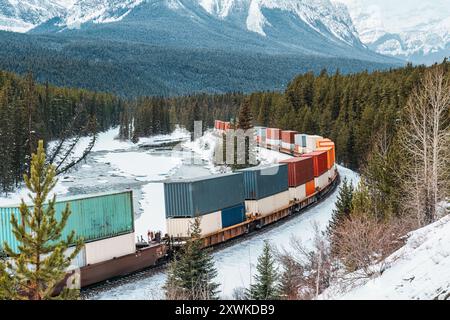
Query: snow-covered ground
<point x="236" y="263"/>
<point x="418" y="270"/>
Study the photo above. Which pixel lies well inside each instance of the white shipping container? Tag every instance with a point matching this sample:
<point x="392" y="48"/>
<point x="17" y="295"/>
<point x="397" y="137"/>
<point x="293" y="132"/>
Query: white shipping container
<point x="273" y="142"/>
<point x="311" y="142"/>
<point x="267" y="205"/>
<point x="287" y="146"/>
<point x="322" y="181"/>
<point x="298" y="139"/>
<point x="209" y="223"/>
<point x="297" y="193"/>
<point x="108" y="249"/>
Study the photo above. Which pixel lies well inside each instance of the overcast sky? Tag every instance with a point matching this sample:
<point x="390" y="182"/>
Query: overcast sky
<point x="400" y="14"/>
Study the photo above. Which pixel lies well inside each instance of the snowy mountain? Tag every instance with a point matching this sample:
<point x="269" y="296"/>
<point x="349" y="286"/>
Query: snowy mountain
<point x="23" y="15"/>
<point x="307" y="27"/>
<point x="415" y="30"/>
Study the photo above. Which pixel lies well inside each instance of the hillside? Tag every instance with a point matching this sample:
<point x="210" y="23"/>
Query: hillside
<point x="419" y="270"/>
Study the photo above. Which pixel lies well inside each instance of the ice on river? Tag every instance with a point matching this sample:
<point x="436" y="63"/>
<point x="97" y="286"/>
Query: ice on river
<point x="142" y="166"/>
<point x="236" y="263"/>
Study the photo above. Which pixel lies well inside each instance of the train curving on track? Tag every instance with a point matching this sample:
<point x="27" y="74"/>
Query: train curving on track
<point x="229" y="206"/>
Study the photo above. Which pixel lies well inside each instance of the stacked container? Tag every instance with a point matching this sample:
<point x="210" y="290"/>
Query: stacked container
<point x="327" y="143"/>
<point x="204" y="197"/>
<point x="300" y="143"/>
<point x="300" y="171"/>
<point x="266" y="189"/>
<point x="320" y="159"/>
<point x="190" y="198"/>
<point x="94" y="217"/>
<point x="226" y="126"/>
<point x="273" y="137"/>
<point x="261" y="135"/>
<point x="288" y="140"/>
<point x="311" y="143"/>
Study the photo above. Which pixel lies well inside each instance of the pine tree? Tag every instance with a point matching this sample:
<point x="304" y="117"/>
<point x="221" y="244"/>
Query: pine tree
<point x="266" y="286"/>
<point x="343" y="206"/>
<point x="40" y="264"/>
<point x="191" y="273"/>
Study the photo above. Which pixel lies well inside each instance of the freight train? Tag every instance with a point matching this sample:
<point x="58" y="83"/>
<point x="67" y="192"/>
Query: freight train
<point x="229" y="206"/>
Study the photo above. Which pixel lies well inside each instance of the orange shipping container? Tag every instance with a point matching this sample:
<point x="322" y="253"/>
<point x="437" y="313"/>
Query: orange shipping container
<point x="333" y="152"/>
<point x="310" y="188"/>
<point x="329" y="151"/>
<point x="323" y="142"/>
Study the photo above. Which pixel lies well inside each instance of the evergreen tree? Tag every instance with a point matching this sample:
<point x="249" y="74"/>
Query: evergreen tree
<point x="343" y="206"/>
<point x="40" y="264"/>
<point x="290" y="280"/>
<point x="245" y="119"/>
<point x="191" y="273"/>
<point x="266" y="286"/>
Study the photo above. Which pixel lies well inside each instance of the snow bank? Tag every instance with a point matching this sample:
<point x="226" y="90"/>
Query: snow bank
<point x="419" y="270"/>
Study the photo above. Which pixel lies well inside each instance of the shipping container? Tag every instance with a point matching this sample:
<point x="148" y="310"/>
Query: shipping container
<point x="273" y="134"/>
<point x="80" y="259"/>
<point x="320" y="159"/>
<point x="322" y="181"/>
<point x="323" y="142"/>
<point x="263" y="181"/>
<point x="297" y="193"/>
<point x="300" y="140"/>
<point x="93" y="217"/>
<point x="268" y="205"/>
<point x="310" y="188"/>
<point x="329" y="151"/>
<point x="180" y="227"/>
<point x="311" y="142"/>
<point x="300" y="170"/>
<point x="288" y="139"/>
<point x="333" y="151"/>
<point x="189" y="198"/>
<point x="108" y="249"/>
<point x="234" y="215"/>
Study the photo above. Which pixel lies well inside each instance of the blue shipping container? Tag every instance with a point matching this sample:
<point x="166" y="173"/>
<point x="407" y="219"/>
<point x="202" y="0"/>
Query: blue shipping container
<point x="233" y="216"/>
<point x="265" y="181"/>
<point x="195" y="197"/>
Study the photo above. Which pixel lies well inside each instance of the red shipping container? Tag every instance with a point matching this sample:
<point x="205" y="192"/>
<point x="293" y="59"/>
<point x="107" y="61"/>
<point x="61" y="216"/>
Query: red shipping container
<point x="288" y="136"/>
<point x="273" y="134"/>
<point x="300" y="171"/>
<point x="320" y="159"/>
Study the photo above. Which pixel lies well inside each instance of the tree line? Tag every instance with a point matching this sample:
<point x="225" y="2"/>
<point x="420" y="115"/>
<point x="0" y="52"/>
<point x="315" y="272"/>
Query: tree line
<point x="30" y="112"/>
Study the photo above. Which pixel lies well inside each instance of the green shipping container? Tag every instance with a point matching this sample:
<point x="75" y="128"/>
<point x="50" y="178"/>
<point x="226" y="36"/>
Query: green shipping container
<point x="94" y="217"/>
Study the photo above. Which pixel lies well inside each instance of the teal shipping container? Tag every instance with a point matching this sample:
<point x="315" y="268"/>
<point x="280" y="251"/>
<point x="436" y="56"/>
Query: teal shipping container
<point x="188" y="198"/>
<point x="93" y="217"/>
<point x="265" y="181"/>
<point x="233" y="216"/>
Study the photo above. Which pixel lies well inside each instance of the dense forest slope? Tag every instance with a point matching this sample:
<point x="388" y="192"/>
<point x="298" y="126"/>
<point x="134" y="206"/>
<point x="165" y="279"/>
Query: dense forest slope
<point x="132" y="69"/>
